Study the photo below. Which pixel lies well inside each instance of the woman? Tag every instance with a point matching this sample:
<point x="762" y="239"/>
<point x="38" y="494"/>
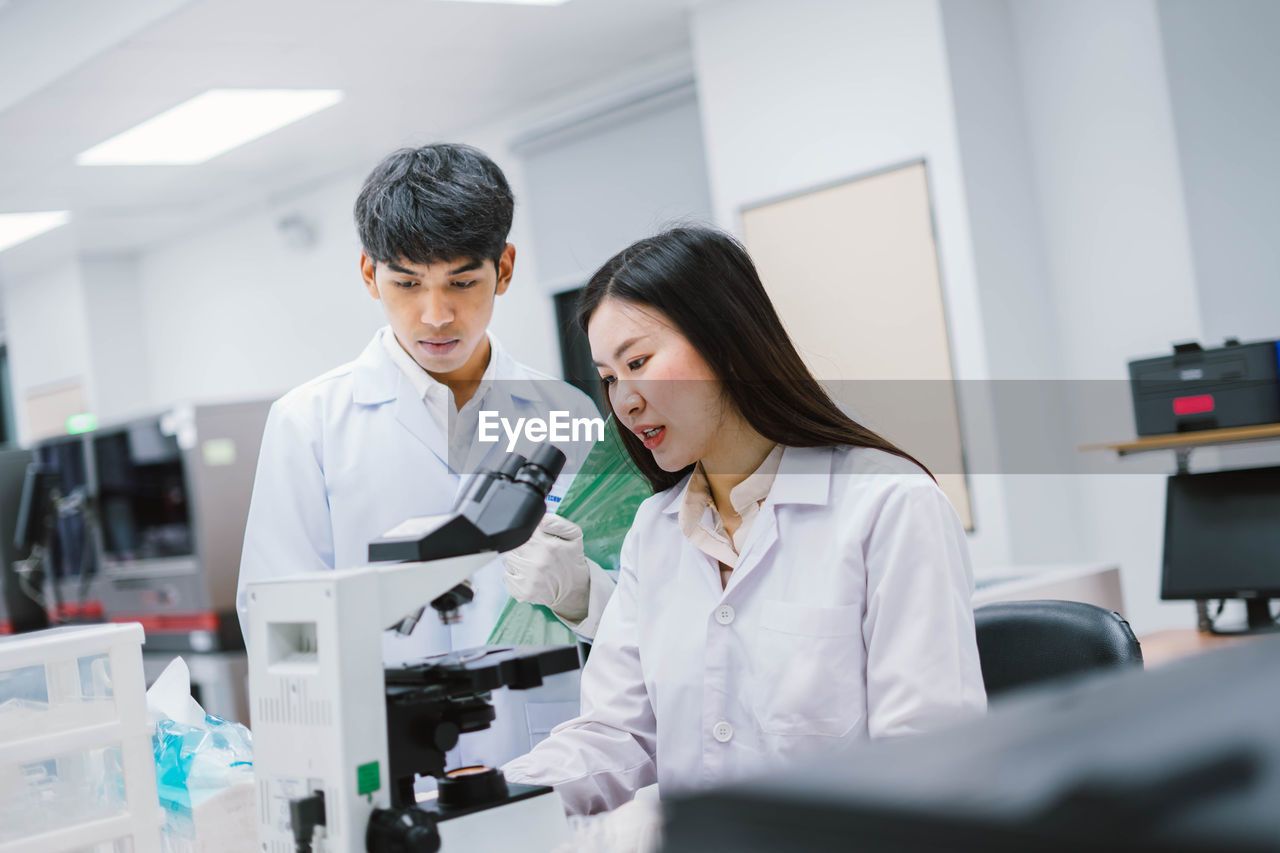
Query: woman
<point x="795" y="584"/>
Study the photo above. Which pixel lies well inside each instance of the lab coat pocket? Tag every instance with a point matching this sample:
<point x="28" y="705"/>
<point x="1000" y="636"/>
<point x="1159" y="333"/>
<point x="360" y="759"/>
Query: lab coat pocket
<point x="808" y="672"/>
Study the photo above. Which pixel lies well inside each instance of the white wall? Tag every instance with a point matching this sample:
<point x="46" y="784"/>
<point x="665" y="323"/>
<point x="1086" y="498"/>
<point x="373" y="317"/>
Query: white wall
<point x="799" y="94"/>
<point x="1224" y="82"/>
<point x="1017" y="299"/>
<point x="233" y="312"/>
<point x="1112" y="216"/>
<point x="117" y="336"/>
<point x="597" y="187"/>
<point x="47" y="334"/>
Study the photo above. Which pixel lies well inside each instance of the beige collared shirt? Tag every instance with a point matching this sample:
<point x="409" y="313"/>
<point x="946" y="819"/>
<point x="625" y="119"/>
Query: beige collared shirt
<point x="460" y="425"/>
<point x="702" y="525"/>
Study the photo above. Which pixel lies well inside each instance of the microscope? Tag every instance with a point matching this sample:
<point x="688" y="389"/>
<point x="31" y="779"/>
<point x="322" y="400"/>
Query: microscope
<point x="339" y="738"/>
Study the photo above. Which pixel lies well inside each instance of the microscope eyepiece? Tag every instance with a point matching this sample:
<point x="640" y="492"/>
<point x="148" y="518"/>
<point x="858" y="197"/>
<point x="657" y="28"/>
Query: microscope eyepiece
<point x="541" y="471"/>
<point x="511" y="466"/>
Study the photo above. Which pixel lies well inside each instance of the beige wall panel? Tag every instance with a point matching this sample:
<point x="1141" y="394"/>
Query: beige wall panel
<point x="48" y="408"/>
<point x="853" y="271"/>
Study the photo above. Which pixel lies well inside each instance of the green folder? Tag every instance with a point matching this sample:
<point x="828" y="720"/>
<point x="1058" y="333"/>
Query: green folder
<point x="602" y="500"/>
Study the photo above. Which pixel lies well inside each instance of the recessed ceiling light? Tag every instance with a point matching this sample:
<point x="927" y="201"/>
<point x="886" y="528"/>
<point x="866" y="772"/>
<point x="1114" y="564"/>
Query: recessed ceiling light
<point x="17" y="228"/>
<point x="207" y="125"/>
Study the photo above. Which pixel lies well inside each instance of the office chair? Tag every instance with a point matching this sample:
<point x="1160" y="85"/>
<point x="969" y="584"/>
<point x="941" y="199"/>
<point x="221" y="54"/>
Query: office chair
<point x="1021" y="643"/>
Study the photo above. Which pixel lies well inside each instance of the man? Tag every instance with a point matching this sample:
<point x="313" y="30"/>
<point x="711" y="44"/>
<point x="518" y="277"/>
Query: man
<point x="394" y="434"/>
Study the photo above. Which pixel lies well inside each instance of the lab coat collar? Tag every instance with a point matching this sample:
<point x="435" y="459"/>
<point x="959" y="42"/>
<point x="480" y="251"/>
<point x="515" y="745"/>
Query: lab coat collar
<point x="375" y="377"/>
<point x="810" y="485"/>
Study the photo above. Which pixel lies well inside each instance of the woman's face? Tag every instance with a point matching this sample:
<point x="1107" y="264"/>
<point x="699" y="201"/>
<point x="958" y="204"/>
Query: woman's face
<point x="659" y="387"/>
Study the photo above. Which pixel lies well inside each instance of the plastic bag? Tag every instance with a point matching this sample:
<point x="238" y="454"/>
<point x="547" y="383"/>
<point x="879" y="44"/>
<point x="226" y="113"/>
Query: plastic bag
<point x="204" y="770"/>
<point x="602" y="500"/>
<point x="193" y="762"/>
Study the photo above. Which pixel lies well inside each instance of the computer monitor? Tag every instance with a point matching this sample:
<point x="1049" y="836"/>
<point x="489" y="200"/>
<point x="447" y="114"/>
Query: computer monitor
<point x="1222" y="539"/>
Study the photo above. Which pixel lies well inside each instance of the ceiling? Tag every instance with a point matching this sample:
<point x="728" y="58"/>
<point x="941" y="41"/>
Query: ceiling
<point x="72" y="76"/>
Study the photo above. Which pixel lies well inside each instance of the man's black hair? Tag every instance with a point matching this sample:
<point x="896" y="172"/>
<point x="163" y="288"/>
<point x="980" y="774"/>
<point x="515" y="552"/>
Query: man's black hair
<point x="436" y="203"/>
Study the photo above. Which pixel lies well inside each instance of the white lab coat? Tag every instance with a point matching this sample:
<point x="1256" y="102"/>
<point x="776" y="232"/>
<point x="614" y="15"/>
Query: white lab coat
<point x="353" y="453"/>
<point x="847" y="616"/>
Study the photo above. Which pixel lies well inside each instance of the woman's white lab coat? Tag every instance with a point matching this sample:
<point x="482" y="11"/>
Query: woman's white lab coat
<point x="847" y="616"/>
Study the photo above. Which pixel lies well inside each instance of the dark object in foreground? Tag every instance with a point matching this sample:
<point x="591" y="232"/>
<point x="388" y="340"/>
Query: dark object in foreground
<point x="1185" y="758"/>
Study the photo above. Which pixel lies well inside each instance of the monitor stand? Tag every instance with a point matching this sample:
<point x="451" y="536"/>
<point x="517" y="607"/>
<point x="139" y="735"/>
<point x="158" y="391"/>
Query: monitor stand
<point x="1259" y="619"/>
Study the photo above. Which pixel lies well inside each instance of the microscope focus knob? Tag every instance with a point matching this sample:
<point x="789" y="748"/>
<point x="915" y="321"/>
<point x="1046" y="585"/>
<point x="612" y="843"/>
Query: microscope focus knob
<point x="409" y="830"/>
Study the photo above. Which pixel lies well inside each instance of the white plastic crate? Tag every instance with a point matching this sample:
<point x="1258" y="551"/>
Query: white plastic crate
<point x="76" y="765"/>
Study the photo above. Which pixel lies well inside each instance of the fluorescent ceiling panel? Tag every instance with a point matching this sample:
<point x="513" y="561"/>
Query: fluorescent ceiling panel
<point x="17" y="228"/>
<point x="208" y="125"/>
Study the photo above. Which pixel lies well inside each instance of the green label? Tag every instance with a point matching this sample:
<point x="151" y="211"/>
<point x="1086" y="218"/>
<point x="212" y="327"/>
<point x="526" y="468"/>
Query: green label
<point x="368" y="779"/>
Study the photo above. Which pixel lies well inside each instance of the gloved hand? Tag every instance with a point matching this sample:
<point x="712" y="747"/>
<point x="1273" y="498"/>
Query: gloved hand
<point x="551" y="569"/>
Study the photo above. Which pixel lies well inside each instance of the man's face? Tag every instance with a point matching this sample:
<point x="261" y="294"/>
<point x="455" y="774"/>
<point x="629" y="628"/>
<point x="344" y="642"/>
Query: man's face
<point x="440" y="311"/>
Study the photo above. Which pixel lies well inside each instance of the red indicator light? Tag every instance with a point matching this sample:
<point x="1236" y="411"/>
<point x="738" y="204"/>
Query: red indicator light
<point x="1196" y="405"/>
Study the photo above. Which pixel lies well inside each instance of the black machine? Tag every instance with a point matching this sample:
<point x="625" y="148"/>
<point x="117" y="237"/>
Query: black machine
<point x="432" y="702"/>
<point x="51" y="560"/>
<point x="1222" y="540"/>
<point x="24" y="510"/>
<point x="1184" y="758"/>
<point x="1195" y="388"/>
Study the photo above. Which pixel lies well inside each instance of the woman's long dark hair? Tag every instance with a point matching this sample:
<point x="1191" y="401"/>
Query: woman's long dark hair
<point x="704" y="282"/>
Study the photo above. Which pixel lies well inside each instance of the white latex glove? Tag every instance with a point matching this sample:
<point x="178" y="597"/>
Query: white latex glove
<point x="551" y="569"/>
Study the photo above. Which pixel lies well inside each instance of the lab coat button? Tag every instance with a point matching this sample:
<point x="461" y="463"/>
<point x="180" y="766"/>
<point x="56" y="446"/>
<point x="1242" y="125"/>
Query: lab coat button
<point x="724" y="614"/>
<point x="723" y="732"/>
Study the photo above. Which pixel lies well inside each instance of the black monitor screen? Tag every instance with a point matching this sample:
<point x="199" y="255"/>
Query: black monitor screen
<point x="142" y="494"/>
<point x="1222" y="535"/>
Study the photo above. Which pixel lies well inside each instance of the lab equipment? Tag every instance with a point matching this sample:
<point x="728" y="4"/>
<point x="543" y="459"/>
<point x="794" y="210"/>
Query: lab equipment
<point x="1195" y="388"/>
<point x="1181" y="758"/>
<point x="172" y="493"/>
<point x="1222" y="540"/>
<point x="20" y="606"/>
<point x="58" y="527"/>
<point x="76" y="766"/>
<point x="143" y="522"/>
<point x="334" y="763"/>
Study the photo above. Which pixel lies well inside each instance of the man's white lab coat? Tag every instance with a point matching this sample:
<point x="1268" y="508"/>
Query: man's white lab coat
<point x="349" y="455"/>
<point x="847" y="616"/>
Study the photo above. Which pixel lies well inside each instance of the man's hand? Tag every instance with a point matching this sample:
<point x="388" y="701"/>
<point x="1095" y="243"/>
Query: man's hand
<point x="551" y="569"/>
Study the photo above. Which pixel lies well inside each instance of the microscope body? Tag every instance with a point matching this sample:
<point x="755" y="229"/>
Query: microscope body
<point x="338" y="737"/>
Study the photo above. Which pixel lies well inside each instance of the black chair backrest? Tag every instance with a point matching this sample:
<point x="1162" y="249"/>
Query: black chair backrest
<point x="1026" y="642"/>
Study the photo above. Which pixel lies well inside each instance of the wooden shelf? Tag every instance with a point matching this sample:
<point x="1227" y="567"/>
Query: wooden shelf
<point x="1188" y="440"/>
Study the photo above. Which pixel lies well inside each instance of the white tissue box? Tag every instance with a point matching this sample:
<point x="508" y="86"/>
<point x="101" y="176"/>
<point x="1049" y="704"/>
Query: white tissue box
<point x="224" y="823"/>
